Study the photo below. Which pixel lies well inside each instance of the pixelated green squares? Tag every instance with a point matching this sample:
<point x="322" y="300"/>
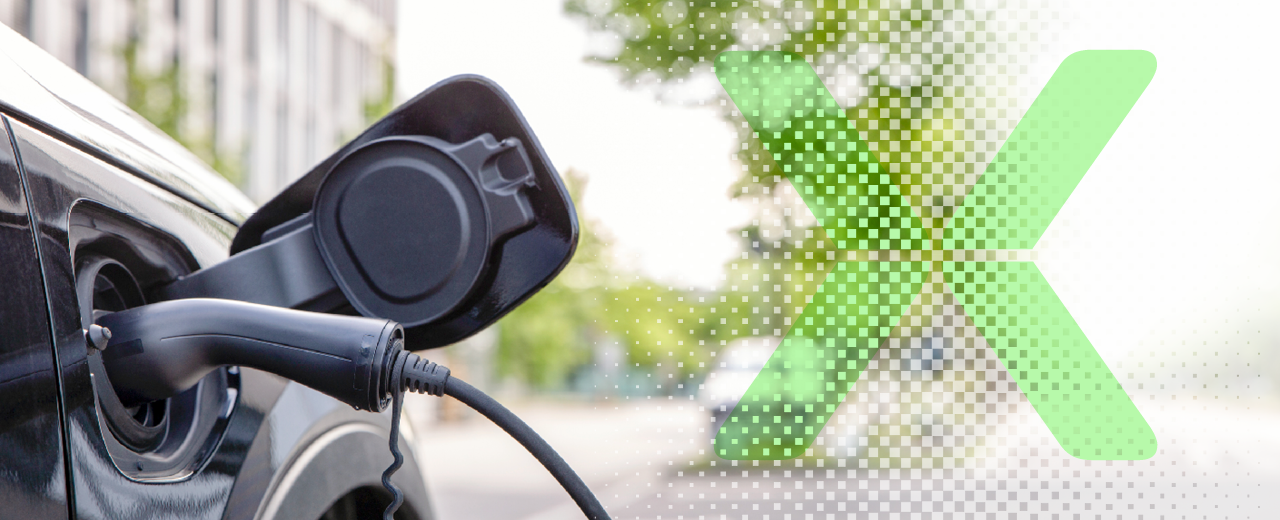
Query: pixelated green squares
<point x="820" y="359"/>
<point x="1050" y="150"/>
<point x="810" y="138"/>
<point x="1054" y="364"/>
<point x="1010" y="303"/>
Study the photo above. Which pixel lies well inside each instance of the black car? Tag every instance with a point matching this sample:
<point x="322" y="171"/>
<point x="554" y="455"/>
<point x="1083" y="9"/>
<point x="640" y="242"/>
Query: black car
<point x="98" y="210"/>
<point x="100" y="213"/>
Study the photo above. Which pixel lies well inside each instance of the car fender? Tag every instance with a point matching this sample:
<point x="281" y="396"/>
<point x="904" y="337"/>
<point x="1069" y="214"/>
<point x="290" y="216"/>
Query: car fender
<point x="317" y="450"/>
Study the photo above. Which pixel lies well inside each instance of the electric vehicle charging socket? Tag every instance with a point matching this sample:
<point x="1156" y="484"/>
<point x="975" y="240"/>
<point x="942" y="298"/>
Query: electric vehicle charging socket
<point x="443" y="216"/>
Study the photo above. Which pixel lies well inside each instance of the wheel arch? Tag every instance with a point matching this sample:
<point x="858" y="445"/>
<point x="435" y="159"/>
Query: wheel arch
<point x="325" y="451"/>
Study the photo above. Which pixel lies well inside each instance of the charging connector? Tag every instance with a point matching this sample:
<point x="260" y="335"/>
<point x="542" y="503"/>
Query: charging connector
<point x="156" y="351"/>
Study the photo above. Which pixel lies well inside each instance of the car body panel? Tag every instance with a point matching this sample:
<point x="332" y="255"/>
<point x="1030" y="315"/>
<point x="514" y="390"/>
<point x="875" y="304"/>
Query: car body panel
<point x="59" y="176"/>
<point x="322" y="449"/>
<point x="32" y="466"/>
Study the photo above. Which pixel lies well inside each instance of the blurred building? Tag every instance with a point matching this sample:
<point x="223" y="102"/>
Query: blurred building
<point x="266" y="89"/>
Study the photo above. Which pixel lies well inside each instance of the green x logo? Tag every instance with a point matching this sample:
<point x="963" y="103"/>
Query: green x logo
<point x="862" y="209"/>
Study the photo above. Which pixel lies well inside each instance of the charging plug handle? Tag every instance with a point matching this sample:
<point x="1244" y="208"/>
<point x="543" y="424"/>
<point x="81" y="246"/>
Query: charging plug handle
<point x="161" y="349"/>
<point x="158" y="350"/>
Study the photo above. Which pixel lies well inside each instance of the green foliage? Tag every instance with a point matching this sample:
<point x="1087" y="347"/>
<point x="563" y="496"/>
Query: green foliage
<point x="591" y="304"/>
<point x="541" y="341"/>
<point x="159" y="97"/>
<point x="381" y="104"/>
<point x="156" y="96"/>
<point x="663" y="326"/>
<point x="867" y="53"/>
<point x="667" y="39"/>
<point x="670" y="39"/>
<point x="774" y="278"/>
<point x="785" y="255"/>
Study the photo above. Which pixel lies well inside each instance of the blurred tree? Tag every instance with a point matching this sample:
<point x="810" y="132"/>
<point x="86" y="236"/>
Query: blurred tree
<point x="931" y="86"/>
<point x="665" y="40"/>
<point x="662" y="326"/>
<point x="891" y="63"/>
<point x="159" y="97"/>
<point x="379" y="105"/>
<point x="156" y="96"/>
<point x="590" y="304"/>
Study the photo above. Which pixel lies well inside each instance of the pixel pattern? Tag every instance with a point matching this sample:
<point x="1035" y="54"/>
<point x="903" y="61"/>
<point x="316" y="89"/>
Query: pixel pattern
<point x="1054" y="145"/>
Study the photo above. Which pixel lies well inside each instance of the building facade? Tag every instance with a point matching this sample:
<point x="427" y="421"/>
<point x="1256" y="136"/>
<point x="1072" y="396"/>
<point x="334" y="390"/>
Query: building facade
<point x="263" y="90"/>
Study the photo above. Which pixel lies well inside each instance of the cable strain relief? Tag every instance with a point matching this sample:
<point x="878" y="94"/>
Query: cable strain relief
<point x="422" y="376"/>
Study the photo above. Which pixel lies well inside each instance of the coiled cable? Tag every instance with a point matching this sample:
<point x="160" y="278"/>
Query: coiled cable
<point x="397" y="497"/>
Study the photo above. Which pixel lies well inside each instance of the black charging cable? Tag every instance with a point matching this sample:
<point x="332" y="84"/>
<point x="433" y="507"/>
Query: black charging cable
<point x="422" y="376"/>
<point x="397" y="498"/>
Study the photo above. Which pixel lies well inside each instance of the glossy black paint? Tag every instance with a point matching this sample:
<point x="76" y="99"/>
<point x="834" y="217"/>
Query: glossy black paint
<point x="458" y="110"/>
<point x="31" y="457"/>
<point x="59" y="176"/>
<point x="80" y="147"/>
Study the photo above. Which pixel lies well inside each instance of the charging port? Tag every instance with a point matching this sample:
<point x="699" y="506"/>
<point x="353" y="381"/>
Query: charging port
<point x="105" y="286"/>
<point x="117" y="260"/>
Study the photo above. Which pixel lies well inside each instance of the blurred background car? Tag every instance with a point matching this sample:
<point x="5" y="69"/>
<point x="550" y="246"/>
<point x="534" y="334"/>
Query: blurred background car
<point x="736" y="367"/>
